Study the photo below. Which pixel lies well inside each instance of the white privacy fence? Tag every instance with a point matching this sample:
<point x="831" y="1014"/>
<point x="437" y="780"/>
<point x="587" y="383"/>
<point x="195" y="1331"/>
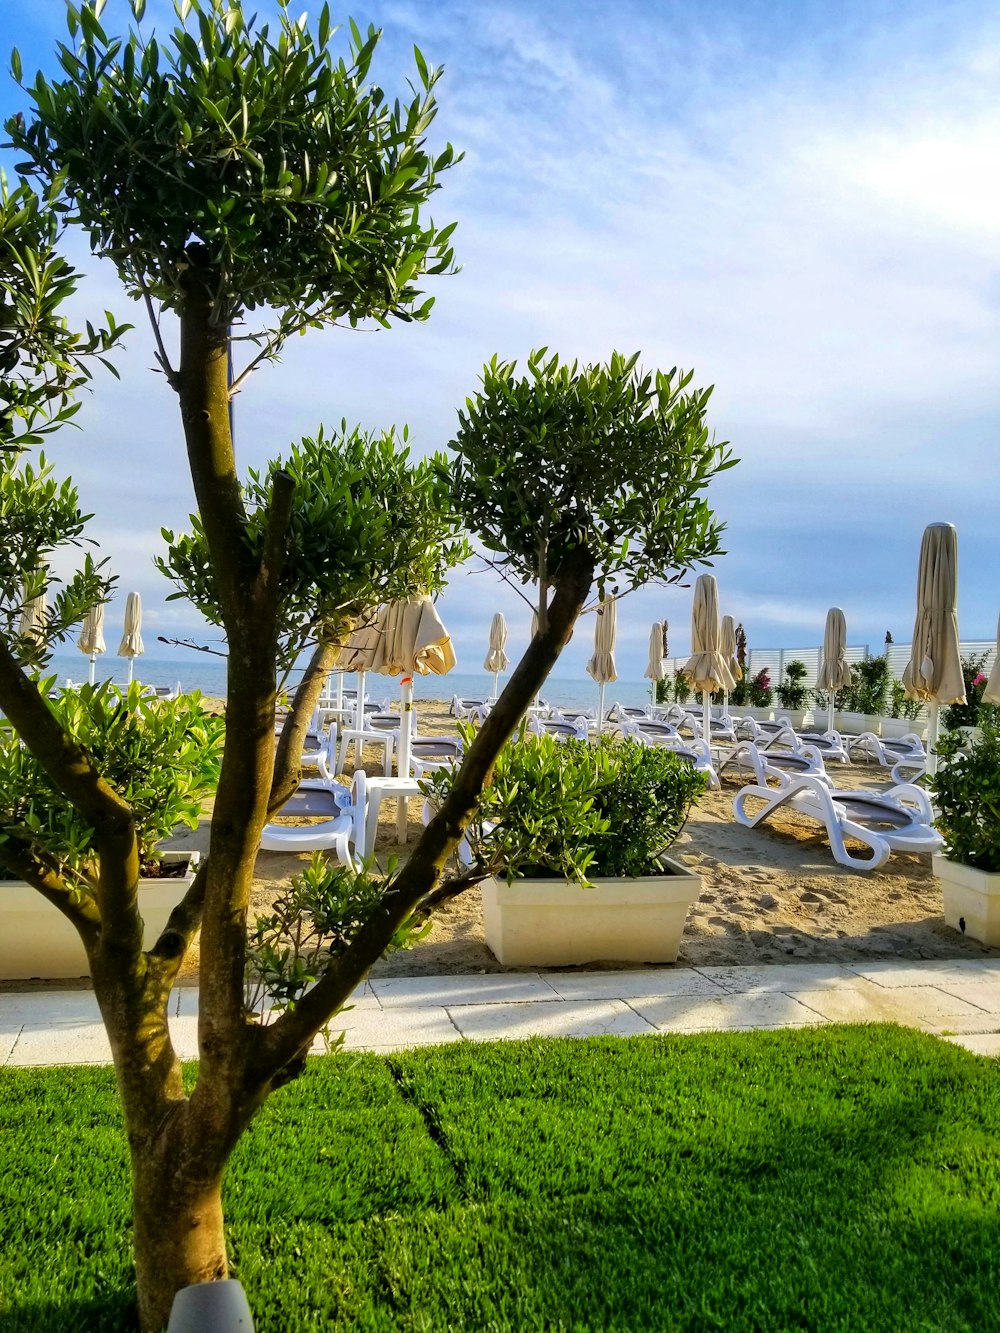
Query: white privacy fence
<point x="776" y="659"/>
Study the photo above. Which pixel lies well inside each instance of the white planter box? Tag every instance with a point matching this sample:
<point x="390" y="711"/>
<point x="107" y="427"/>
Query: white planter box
<point x="894" y="728"/>
<point x="853" y="724"/>
<point x="552" y="923"/>
<point x="799" y="718"/>
<point x="971" y="900"/>
<point x="36" y="940"/>
<point x="758" y="714"/>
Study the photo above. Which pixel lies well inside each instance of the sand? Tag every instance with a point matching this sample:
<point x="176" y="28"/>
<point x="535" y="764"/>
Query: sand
<point x="770" y="895"/>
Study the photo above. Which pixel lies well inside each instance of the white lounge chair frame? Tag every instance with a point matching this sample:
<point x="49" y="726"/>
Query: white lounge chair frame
<point x="896" y="820"/>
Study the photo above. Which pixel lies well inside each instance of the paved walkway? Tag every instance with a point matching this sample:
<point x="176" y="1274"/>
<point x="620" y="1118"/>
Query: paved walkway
<point x="958" y="1000"/>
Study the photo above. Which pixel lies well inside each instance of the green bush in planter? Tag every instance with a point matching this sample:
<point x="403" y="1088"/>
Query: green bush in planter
<point x="161" y="755"/>
<point x="900" y="705"/>
<point x="792" y="693"/>
<point x="966" y="791"/>
<point x="574" y="810"/>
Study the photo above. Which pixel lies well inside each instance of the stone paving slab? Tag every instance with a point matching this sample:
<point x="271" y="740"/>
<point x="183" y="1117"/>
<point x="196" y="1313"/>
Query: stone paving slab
<point x="780" y="977"/>
<point x="81" y="1044"/>
<point x="490" y="988"/>
<point x="914" y="1006"/>
<point x="984" y="994"/>
<point x="9" y="1034"/>
<point x="75" y="1006"/>
<point x="673" y="1013"/>
<point x="630" y="985"/>
<point x="368" y="1030"/>
<point x="979" y="1043"/>
<point x="930" y="973"/>
<point x="560" y="1018"/>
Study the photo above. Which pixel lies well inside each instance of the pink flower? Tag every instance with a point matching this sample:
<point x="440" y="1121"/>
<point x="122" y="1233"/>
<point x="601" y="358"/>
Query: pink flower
<point x="980" y="679"/>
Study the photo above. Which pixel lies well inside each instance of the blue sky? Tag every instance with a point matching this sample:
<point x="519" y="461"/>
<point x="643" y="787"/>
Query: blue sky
<point x="798" y="201"/>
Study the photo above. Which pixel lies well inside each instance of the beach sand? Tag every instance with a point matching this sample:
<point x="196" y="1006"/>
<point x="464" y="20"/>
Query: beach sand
<point x="770" y="895"/>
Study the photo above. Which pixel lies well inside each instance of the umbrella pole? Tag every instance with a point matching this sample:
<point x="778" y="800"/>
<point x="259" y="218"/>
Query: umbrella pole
<point x="600" y="709"/>
<point x="93" y="667"/>
<point x="932" y="736"/>
<point x="496" y="685"/>
<point x="131" y="665"/>
<point x="359" y="720"/>
<point x="829" y="711"/>
<point x="725" y="706"/>
<point x="706" y="716"/>
<point x="403" y="757"/>
<point x="339" y="697"/>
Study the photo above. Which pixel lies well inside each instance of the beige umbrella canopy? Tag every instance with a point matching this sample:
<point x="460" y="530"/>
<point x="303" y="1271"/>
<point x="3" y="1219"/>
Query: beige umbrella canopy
<point x="835" y="670"/>
<point x="496" y="659"/>
<point x="706" y="668"/>
<point x="934" y="671"/>
<point x="131" y="645"/>
<point x="357" y="655"/>
<point x="602" y="665"/>
<point x="991" y="695"/>
<point x="33" y="616"/>
<point x="413" y="640"/>
<point x="656" y="667"/>
<point x="727" y="645"/>
<point x="91" y="640"/>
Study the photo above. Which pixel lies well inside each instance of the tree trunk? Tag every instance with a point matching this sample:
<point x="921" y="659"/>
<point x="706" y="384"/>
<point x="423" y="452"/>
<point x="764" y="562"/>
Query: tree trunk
<point x="178" y="1232"/>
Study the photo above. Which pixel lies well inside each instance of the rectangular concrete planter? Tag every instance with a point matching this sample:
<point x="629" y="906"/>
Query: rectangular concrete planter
<point x="971" y="900"/>
<point x="853" y="724"/>
<point x="552" y="923"/>
<point x="894" y="728"/>
<point x="36" y="940"/>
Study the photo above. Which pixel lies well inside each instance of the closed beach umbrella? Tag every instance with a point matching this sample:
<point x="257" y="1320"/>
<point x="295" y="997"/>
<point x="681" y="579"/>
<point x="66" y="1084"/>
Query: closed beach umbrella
<point x="131" y="645"/>
<point x="496" y="659"/>
<point x="602" y="665"/>
<point x="706" y="668"/>
<point x="991" y="695"/>
<point x="727" y="643"/>
<point x="835" y="670"/>
<point x="656" y="668"/>
<point x="91" y="640"/>
<point x="412" y="640"/>
<point x="934" y="671"/>
<point x="357" y="654"/>
<point x="33" y="615"/>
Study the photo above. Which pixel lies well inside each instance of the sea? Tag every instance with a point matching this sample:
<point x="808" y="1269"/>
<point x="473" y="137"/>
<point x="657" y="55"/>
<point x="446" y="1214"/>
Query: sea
<point x="208" y="674"/>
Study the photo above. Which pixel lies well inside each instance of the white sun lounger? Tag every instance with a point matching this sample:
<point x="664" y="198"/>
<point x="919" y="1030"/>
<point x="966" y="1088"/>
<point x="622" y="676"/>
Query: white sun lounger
<point x="898" y="820"/>
<point x="776" y="765"/>
<point x="341" y="811"/>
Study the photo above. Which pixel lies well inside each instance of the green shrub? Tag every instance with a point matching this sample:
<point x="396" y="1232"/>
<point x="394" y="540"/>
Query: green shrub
<point x="571" y="809"/>
<point x="973" y="712"/>
<point x="759" y="689"/>
<point x="682" y="687"/>
<point x="869" y="688"/>
<point x="792" y="693"/>
<point x="900" y="705"/>
<point x="162" y="756"/>
<point x="966" y="791"/>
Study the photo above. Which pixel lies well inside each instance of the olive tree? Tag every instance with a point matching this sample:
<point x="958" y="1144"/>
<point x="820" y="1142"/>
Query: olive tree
<point x="367" y="525"/>
<point x="232" y="174"/>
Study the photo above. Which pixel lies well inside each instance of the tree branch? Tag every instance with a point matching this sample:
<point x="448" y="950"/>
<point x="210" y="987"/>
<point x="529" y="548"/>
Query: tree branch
<point x="78" y="908"/>
<point x="279" y="516"/>
<point x="285" y="1040"/>
<point x="161" y="351"/>
<point x="291" y="742"/>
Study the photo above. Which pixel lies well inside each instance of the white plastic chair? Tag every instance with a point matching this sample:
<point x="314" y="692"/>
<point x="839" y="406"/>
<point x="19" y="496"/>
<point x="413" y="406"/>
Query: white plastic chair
<point x="897" y="820"/>
<point x="342" y="825"/>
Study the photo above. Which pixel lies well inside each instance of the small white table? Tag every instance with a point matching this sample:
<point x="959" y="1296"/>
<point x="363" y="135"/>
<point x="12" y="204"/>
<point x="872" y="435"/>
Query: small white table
<point x="376" y="790"/>
<point x="386" y="739"/>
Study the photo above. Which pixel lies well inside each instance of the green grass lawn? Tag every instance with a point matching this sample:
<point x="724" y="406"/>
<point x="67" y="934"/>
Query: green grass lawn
<point x="846" y="1179"/>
